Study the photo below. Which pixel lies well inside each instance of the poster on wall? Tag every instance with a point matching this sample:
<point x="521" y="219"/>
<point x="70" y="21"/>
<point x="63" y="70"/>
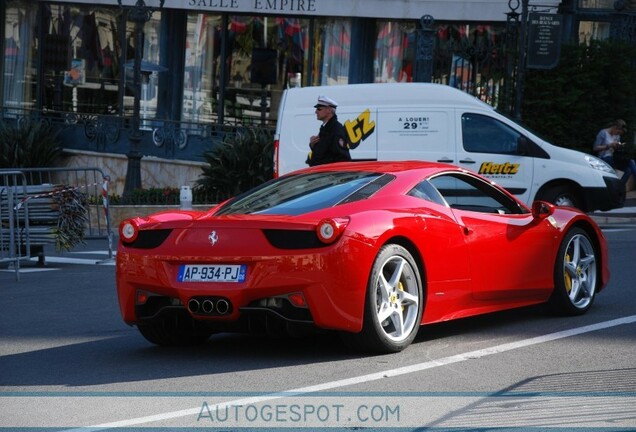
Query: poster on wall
<point x="77" y="74"/>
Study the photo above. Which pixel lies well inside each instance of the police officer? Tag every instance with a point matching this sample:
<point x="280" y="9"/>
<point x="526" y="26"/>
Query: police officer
<point x="331" y="143"/>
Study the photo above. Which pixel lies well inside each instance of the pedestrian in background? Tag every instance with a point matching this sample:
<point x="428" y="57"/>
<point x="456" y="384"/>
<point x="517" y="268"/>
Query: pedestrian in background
<point x="608" y="145"/>
<point x="331" y="143"/>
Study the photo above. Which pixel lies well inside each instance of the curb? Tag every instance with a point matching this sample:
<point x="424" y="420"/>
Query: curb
<point x="616" y="216"/>
<point x="614" y="219"/>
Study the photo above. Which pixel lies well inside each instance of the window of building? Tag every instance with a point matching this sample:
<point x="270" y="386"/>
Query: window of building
<point x="82" y="70"/>
<point x="264" y="55"/>
<point x="80" y="63"/>
<point x="596" y="4"/>
<point x="332" y="49"/>
<point x="466" y="56"/>
<point x="593" y="30"/>
<point x="202" y="54"/>
<point x="471" y="58"/>
<point x="151" y="68"/>
<point x="20" y="54"/>
<point x="394" y="52"/>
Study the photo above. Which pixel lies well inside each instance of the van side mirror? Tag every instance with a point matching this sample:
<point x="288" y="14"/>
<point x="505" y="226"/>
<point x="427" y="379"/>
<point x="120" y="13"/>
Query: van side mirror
<point x="542" y="209"/>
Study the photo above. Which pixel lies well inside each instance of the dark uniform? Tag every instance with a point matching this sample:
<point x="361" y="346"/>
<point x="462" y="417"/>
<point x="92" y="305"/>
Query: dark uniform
<point x="333" y="145"/>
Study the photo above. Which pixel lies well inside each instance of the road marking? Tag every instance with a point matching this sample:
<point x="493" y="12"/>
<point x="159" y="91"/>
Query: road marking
<point x="28" y="270"/>
<point x="614" y="230"/>
<point x="471" y="355"/>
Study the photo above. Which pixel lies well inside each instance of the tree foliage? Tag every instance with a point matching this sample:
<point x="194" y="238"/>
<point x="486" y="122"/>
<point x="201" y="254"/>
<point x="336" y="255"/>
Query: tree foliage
<point x="242" y="161"/>
<point x="593" y="84"/>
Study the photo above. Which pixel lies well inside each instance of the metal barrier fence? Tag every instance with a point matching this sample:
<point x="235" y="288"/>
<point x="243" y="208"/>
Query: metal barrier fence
<point x="13" y="221"/>
<point x="38" y="186"/>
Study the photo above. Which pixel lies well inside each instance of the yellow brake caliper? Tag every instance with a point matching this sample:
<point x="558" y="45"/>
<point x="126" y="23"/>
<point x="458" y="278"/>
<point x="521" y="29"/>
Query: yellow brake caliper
<point x="568" y="278"/>
<point x="401" y="288"/>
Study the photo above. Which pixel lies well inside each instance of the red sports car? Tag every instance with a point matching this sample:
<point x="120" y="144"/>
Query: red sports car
<point x="372" y="250"/>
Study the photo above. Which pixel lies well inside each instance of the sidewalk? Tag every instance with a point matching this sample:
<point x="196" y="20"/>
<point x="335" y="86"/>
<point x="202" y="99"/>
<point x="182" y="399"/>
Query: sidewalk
<point x="625" y="214"/>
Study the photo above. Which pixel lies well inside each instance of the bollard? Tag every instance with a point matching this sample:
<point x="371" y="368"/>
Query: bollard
<point x="186" y="198"/>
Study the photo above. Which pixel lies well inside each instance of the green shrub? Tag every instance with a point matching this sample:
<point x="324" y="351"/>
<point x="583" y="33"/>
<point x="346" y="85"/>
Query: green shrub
<point x="591" y="86"/>
<point x="29" y="144"/>
<point x="150" y="196"/>
<point x="244" y="160"/>
<point x="155" y="196"/>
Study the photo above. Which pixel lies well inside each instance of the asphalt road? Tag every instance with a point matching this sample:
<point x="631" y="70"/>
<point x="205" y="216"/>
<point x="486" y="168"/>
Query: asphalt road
<point x="68" y="362"/>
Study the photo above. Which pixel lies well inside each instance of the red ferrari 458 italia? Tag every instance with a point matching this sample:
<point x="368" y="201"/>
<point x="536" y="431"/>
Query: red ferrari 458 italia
<point x="372" y="250"/>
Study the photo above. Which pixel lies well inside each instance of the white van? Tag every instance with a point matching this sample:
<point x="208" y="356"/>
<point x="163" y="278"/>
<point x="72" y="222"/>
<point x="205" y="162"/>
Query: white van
<point x="421" y="121"/>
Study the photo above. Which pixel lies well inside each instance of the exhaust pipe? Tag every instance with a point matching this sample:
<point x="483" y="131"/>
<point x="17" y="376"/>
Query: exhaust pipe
<point x="207" y="306"/>
<point x="193" y="305"/>
<point x="222" y="306"/>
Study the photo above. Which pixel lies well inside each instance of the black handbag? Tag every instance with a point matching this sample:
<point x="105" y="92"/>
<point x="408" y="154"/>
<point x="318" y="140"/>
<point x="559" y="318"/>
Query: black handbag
<point x="621" y="158"/>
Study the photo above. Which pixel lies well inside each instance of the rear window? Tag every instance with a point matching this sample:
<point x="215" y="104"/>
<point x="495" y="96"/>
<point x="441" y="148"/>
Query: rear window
<point x="303" y="193"/>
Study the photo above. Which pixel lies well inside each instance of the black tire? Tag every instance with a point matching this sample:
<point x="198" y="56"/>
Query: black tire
<point x="393" y="305"/>
<point x="561" y="196"/>
<point x="575" y="274"/>
<point x="177" y="330"/>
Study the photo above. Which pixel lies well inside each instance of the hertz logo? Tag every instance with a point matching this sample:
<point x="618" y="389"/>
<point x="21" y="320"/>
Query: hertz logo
<point x="359" y="129"/>
<point x="495" y="168"/>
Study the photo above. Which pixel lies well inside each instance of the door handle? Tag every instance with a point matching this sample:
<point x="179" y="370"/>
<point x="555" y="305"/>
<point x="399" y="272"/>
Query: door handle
<point x="467" y="161"/>
<point x="445" y="160"/>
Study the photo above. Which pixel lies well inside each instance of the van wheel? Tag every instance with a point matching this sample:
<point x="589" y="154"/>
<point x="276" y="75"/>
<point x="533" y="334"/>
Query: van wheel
<point x="561" y="196"/>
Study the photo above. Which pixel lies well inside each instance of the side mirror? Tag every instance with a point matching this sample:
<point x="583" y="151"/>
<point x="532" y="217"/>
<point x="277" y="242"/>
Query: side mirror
<point x="542" y="209"/>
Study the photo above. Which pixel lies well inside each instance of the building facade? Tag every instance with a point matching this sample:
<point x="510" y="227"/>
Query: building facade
<point x="208" y="65"/>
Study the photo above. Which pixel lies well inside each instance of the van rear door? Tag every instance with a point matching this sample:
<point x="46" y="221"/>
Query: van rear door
<point x="495" y="150"/>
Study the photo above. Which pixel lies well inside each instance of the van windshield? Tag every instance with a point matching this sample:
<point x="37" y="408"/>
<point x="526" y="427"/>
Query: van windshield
<point x="523" y="125"/>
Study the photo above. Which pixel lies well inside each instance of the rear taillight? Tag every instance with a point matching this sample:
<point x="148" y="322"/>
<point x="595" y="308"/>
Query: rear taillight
<point x="128" y="231"/>
<point x="328" y="230"/>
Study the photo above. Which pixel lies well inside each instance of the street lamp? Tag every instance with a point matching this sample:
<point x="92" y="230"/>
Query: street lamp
<point x="512" y="46"/>
<point x="140" y="14"/>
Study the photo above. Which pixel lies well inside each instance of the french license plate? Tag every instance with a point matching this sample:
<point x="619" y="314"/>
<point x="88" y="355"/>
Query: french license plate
<point x="211" y="273"/>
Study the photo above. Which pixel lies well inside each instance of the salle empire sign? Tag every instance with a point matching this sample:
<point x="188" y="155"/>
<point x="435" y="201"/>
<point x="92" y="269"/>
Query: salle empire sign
<point x="256" y="5"/>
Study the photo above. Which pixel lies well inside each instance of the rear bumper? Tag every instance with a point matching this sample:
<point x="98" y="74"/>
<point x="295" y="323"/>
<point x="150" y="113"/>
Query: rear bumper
<point x="335" y="299"/>
<point x="610" y="197"/>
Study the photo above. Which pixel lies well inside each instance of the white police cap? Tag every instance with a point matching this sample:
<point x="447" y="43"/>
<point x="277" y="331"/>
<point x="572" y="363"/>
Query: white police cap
<point x="325" y="101"/>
